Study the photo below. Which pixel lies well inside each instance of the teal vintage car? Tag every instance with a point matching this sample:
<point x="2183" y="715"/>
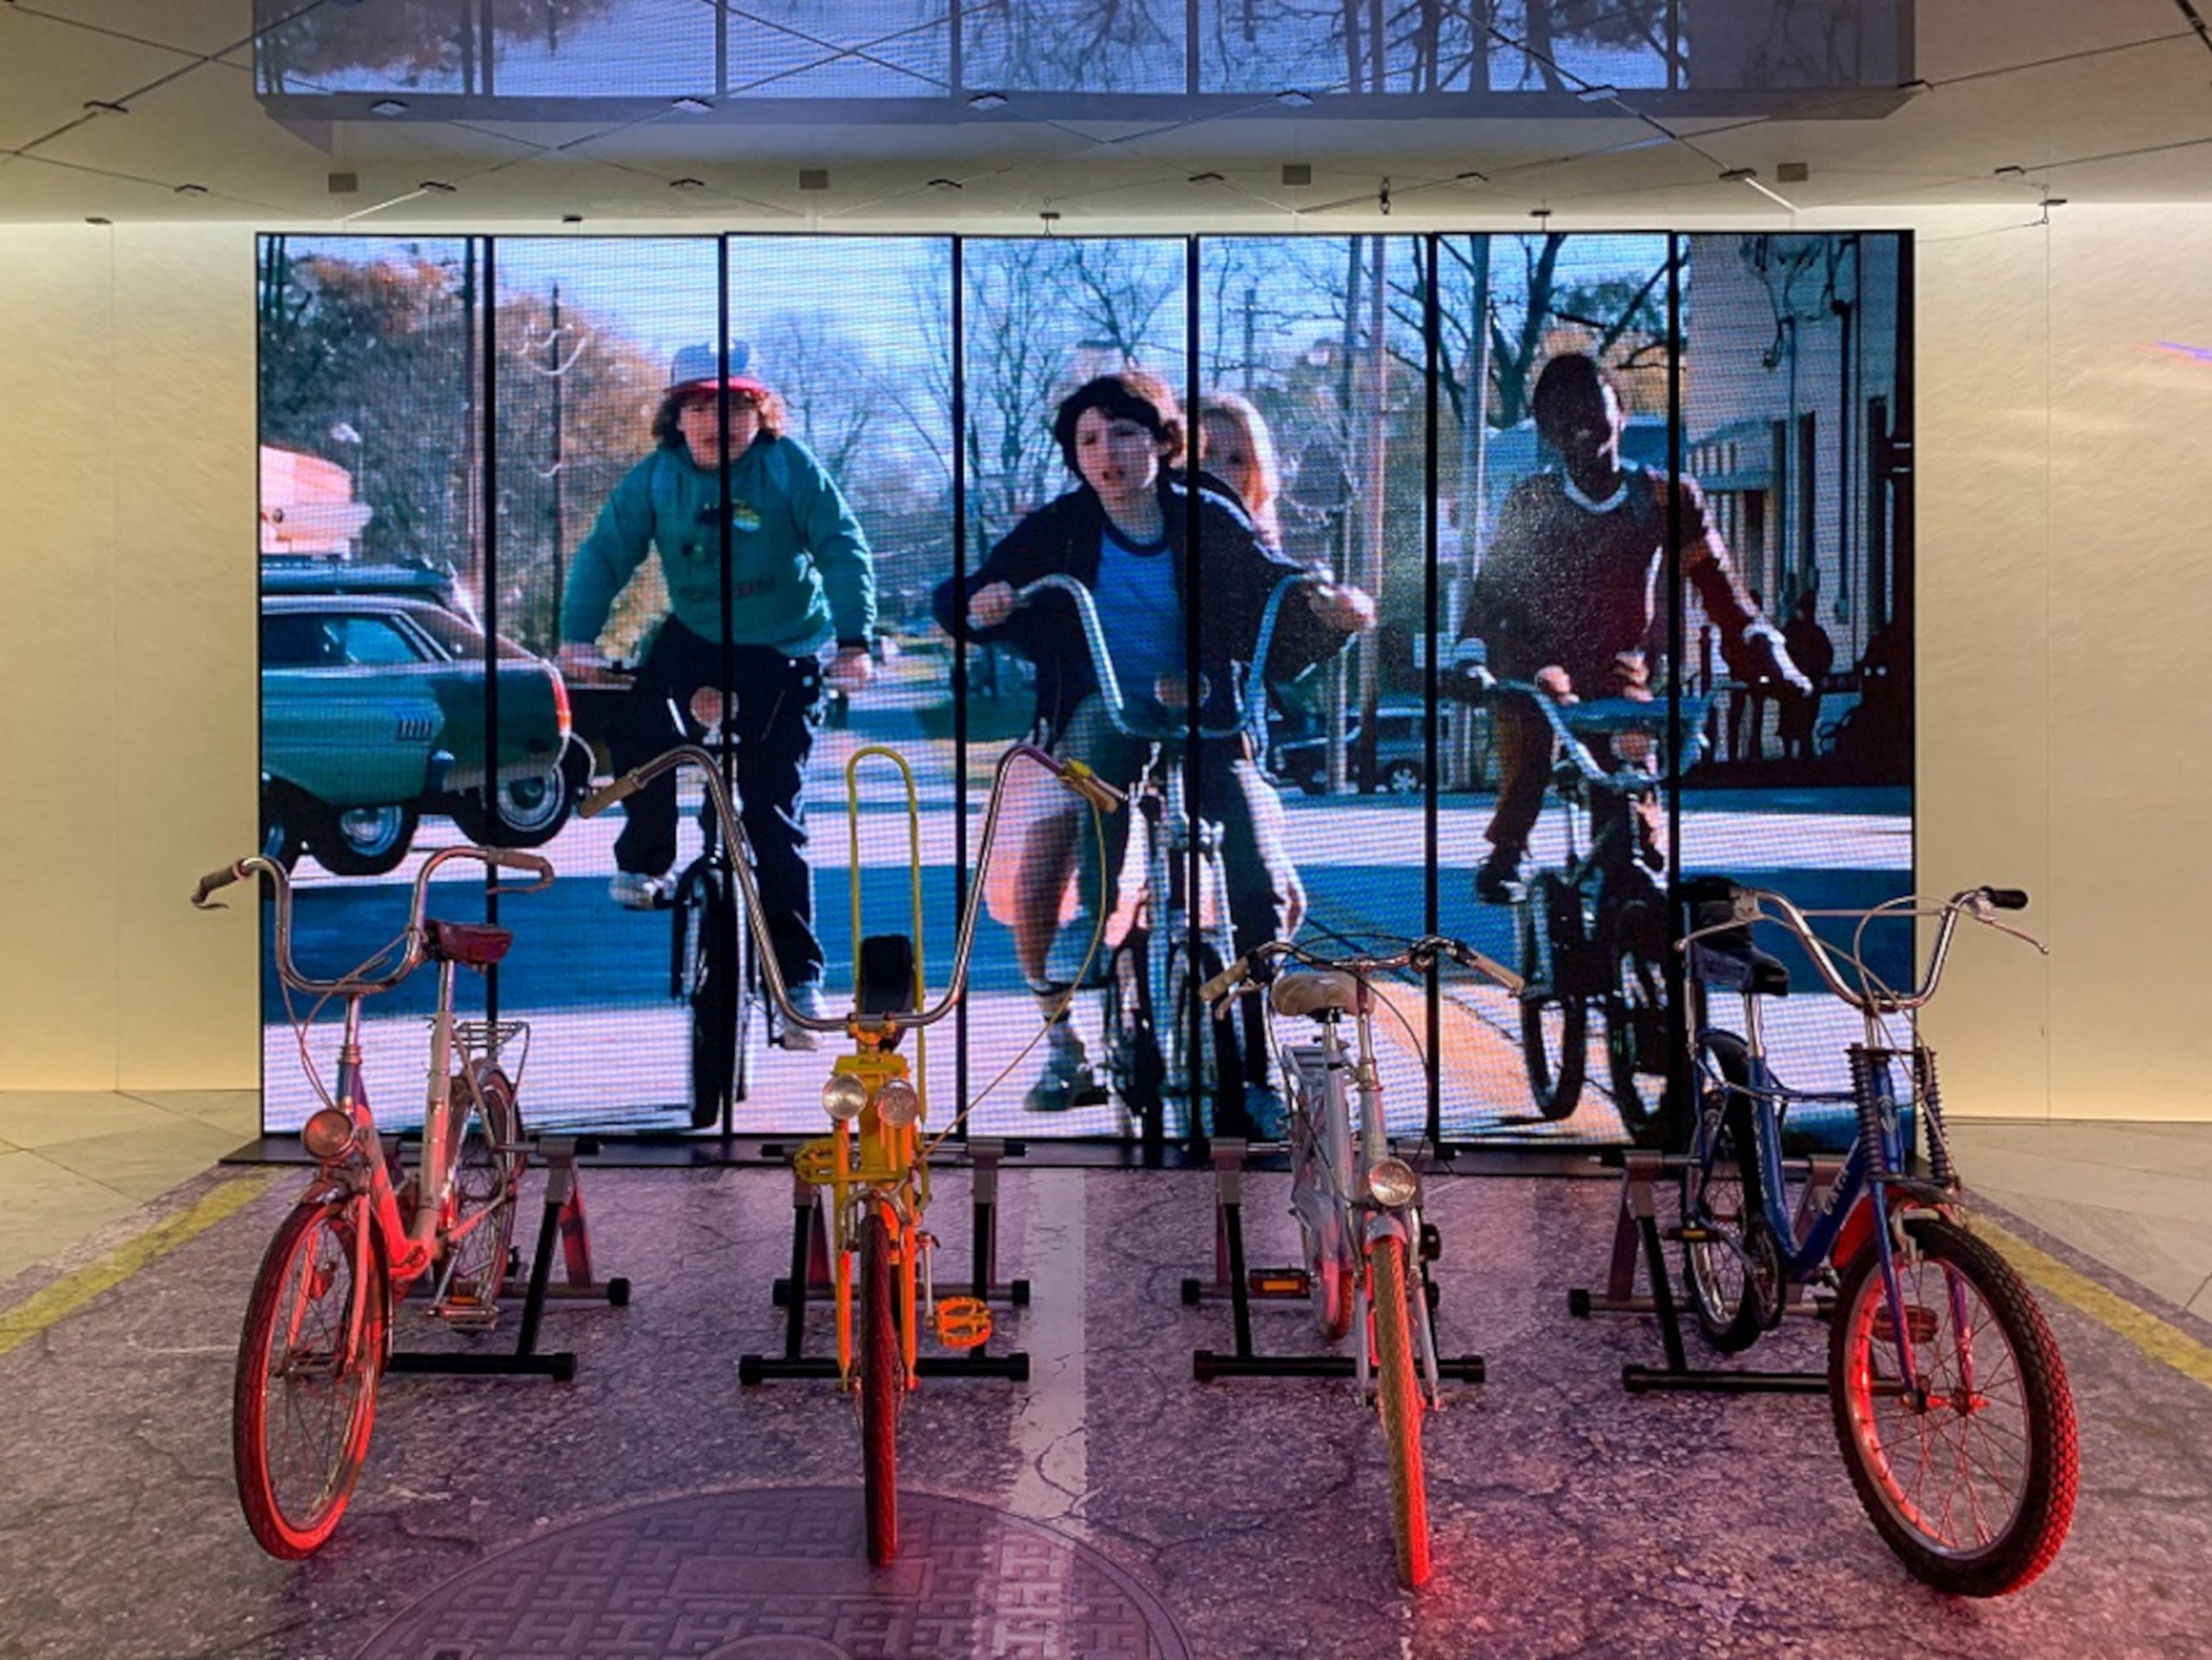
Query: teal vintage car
<point x="373" y="713"/>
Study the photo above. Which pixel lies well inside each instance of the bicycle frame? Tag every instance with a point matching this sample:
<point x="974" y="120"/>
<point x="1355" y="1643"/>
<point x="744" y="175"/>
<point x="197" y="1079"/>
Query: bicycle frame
<point x="343" y="1136"/>
<point x="1876" y="1165"/>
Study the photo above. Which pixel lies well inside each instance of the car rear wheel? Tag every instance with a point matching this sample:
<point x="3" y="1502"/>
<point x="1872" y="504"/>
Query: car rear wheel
<point x="363" y="841"/>
<point x="1401" y="778"/>
<point x="524" y="813"/>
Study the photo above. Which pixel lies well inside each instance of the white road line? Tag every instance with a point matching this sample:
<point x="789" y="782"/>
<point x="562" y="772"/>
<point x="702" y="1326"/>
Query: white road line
<point x="1049" y="1431"/>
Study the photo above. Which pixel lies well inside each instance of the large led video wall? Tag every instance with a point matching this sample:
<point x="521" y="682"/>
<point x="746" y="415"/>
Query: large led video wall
<point x="1246" y="524"/>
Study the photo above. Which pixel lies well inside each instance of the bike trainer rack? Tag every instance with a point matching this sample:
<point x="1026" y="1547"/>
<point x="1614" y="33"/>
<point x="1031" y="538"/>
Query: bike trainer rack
<point x="1234" y="1283"/>
<point x="563" y="1218"/>
<point x="1636" y="1231"/>
<point x="810" y="1273"/>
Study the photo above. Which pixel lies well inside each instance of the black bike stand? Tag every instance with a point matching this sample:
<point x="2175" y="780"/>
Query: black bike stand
<point x="810" y="1273"/>
<point x="1637" y="1231"/>
<point x="1233" y="1281"/>
<point x="564" y="1219"/>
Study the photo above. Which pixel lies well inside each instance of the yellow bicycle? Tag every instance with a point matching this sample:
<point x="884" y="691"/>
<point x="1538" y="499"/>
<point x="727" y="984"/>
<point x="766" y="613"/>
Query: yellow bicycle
<point x="875" y="1162"/>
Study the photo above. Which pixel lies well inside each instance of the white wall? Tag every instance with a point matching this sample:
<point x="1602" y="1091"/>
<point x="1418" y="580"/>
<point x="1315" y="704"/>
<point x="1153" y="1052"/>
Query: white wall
<point x="2065" y="599"/>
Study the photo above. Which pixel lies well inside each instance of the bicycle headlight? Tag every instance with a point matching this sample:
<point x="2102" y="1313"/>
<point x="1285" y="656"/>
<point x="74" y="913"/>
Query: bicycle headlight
<point x="843" y="1096"/>
<point x="898" y="1102"/>
<point x="1392" y="1183"/>
<point x="327" y="1135"/>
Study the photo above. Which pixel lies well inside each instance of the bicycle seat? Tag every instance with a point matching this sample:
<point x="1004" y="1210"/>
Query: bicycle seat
<point x="1317" y="992"/>
<point x="1738" y="965"/>
<point x="471" y="944"/>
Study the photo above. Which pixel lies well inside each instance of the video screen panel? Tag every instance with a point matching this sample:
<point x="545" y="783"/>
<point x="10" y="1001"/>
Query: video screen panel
<point x="485" y="536"/>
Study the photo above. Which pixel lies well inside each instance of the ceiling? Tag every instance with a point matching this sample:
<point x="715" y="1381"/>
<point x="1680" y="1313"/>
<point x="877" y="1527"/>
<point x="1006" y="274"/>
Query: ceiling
<point x="2010" y="102"/>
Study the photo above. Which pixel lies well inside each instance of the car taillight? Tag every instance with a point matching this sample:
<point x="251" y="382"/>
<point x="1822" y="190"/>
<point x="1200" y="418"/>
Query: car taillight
<point x="560" y="702"/>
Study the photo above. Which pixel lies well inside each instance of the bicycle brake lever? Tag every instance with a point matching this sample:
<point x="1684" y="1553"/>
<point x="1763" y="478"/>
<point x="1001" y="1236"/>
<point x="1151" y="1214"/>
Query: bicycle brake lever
<point x="1226" y="981"/>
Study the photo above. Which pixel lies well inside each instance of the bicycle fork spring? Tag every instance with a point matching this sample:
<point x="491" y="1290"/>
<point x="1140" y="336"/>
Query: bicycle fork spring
<point x="1863" y="1064"/>
<point x="1931" y="1104"/>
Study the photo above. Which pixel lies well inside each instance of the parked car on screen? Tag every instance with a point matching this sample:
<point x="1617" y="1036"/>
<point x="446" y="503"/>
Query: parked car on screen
<point x="1400" y="757"/>
<point x="373" y="713"/>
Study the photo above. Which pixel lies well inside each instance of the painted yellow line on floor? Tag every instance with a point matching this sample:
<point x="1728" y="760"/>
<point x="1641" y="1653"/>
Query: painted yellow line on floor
<point x="19" y="1325"/>
<point x="2109" y="1309"/>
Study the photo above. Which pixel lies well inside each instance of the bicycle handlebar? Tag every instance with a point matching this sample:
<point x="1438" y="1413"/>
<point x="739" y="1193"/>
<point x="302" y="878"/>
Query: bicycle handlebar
<point x="1751" y="905"/>
<point x="1255" y="966"/>
<point x="1110" y="685"/>
<point x="358" y="984"/>
<point x="1575" y="720"/>
<point x="1070" y="772"/>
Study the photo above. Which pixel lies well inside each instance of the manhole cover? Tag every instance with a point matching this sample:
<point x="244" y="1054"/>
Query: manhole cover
<point x="782" y="1573"/>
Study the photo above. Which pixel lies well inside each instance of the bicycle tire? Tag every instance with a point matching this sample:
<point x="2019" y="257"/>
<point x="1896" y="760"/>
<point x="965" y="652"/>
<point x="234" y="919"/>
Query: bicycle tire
<point x="1720" y="1194"/>
<point x="483" y="1161"/>
<point x="1635" y="1007"/>
<point x="1330" y="1262"/>
<point x="1194" y="1075"/>
<point x="1549" y="931"/>
<point x="1135" y="1067"/>
<point x="297" y="1450"/>
<point x="2015" y="1541"/>
<point x="707" y="914"/>
<point x="882" y="1386"/>
<point x="1400" y="1402"/>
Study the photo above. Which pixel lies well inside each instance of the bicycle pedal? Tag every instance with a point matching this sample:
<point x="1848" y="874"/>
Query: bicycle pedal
<point x="962" y="1322"/>
<point x="1919" y="1322"/>
<point x="467" y="1312"/>
<point x="1279" y="1282"/>
<point x="1689" y="1234"/>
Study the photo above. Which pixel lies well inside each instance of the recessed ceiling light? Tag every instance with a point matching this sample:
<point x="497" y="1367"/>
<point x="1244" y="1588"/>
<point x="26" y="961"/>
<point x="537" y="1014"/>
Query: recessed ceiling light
<point x="2011" y="170"/>
<point x="1291" y="97"/>
<point x="1051" y="215"/>
<point x="388" y="106"/>
<point x="2049" y="202"/>
<point x="1540" y="213"/>
<point x="988" y="101"/>
<point x="101" y="106"/>
<point x="690" y="105"/>
<point x="1738" y="175"/>
<point x="437" y="187"/>
<point x="1470" y="176"/>
<point x="572" y="218"/>
<point x="192" y="190"/>
<point x="1206" y="178"/>
<point x="96" y="218"/>
<point x="946" y="184"/>
<point x="687" y="184"/>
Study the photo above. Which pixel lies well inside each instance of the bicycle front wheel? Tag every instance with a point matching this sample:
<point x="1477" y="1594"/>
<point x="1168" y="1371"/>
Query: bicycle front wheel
<point x="882" y="1387"/>
<point x="485" y="1157"/>
<point x="1400" y="1404"/>
<point x="1551" y="936"/>
<point x="304" y="1396"/>
<point x="1971" y="1482"/>
<point x="713" y="962"/>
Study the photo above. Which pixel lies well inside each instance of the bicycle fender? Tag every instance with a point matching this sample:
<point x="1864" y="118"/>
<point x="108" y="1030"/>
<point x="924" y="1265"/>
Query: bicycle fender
<point x="1386" y="1224"/>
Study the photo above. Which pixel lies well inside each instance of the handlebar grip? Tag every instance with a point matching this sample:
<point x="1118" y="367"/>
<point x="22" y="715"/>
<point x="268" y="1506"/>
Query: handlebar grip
<point x="517" y="859"/>
<point x="2006" y="899"/>
<point x="600" y="800"/>
<point x="1497" y="973"/>
<point x="210" y="882"/>
<point x="1226" y="981"/>
<point x="1087" y="784"/>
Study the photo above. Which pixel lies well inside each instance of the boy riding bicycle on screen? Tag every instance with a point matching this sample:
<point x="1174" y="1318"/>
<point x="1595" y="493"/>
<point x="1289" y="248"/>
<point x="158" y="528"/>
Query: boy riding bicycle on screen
<point x="1124" y="532"/>
<point x="802" y="590"/>
<point x="1571" y="598"/>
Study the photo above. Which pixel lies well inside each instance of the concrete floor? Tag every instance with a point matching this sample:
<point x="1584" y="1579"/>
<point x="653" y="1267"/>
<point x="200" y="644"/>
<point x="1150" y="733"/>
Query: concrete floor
<point x="1250" y="1517"/>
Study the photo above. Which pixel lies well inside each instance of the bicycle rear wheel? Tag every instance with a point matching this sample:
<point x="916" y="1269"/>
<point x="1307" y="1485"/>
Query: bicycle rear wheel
<point x="1975" y="1489"/>
<point x="1399" y="1388"/>
<point x="303" y="1399"/>
<point x="485" y="1156"/>
<point x="1135" y="1067"/>
<point x="1636" y="1027"/>
<point x="1194" y="1072"/>
<point x="1720" y="1195"/>
<point x="1330" y="1261"/>
<point x="1551" y="935"/>
<point x="882" y="1388"/>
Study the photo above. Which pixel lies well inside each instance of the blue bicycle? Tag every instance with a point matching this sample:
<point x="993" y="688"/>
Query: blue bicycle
<point x="1950" y="1400"/>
